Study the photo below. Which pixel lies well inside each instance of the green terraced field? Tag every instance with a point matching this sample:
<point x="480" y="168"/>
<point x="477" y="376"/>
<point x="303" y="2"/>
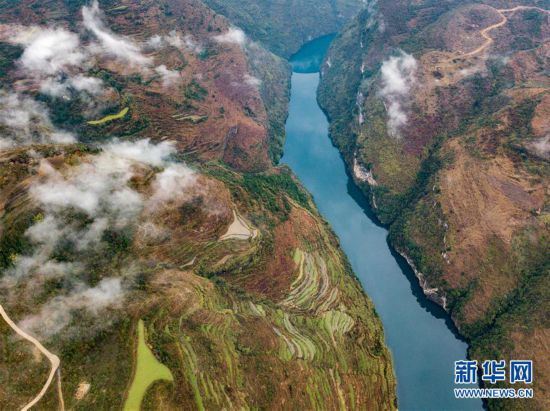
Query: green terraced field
<point x="148" y="370"/>
<point x="110" y="117"/>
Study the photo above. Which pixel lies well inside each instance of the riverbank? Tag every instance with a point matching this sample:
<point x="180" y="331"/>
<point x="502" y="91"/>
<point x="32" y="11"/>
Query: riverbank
<point x="424" y="347"/>
<point x="460" y="179"/>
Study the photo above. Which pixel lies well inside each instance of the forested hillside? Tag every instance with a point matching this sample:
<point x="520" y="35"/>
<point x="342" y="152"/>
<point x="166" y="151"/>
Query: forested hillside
<point x="440" y="109"/>
<point x="151" y="254"/>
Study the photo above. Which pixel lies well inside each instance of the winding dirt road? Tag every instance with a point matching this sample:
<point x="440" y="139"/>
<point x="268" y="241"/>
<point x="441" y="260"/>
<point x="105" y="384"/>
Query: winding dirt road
<point x="54" y="360"/>
<point x="485" y="32"/>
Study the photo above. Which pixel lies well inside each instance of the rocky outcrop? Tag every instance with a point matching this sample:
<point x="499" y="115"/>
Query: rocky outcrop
<point x="433" y="294"/>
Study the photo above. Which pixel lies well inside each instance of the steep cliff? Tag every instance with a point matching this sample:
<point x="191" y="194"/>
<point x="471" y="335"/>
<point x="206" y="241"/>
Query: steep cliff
<point x="440" y="109"/>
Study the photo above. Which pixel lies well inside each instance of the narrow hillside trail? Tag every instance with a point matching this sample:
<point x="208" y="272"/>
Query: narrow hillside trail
<point x="485" y="32"/>
<point x="60" y="391"/>
<point x="54" y="360"/>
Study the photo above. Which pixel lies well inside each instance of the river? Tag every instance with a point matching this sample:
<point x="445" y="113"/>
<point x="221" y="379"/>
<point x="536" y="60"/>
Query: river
<point x="420" y="335"/>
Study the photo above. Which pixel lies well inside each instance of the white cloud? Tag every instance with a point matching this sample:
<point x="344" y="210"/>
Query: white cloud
<point x="169" y="77"/>
<point x="396" y="117"/>
<point x="176" y="40"/>
<point x="397" y="77"/>
<point x="191" y="44"/>
<point x="25" y="121"/>
<point x="99" y="186"/>
<point x="150" y="233"/>
<point x="381" y="25"/>
<point x="113" y="44"/>
<point x="49" y="51"/>
<point x="155" y="42"/>
<point x="90" y="85"/>
<point x="398" y="74"/>
<point x="51" y="57"/>
<point x="57" y="313"/>
<point x="142" y="151"/>
<point x="542" y="146"/>
<point x="172" y="184"/>
<point x="252" y="81"/>
<point x="54" y="87"/>
<point x="60" y="87"/>
<point x="233" y="35"/>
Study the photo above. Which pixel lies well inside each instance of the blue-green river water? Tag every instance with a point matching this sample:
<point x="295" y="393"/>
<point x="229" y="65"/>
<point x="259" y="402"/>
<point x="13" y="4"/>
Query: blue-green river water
<point x="419" y="334"/>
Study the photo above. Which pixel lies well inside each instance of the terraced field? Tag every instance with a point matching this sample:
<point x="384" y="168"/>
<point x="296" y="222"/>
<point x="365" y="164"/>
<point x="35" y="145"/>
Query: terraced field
<point x="148" y="371"/>
<point x="109" y="118"/>
<point x="142" y="200"/>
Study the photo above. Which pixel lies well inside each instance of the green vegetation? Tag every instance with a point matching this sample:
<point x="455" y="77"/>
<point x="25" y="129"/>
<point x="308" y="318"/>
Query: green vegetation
<point x="525" y="306"/>
<point x="269" y="191"/>
<point x="274" y="74"/>
<point x="421" y="233"/>
<point x="110" y="117"/>
<point x="111" y="79"/>
<point x="199" y="314"/>
<point x="13" y="242"/>
<point x="199" y="297"/>
<point x="8" y="54"/>
<point x="285" y="27"/>
<point x="74" y="5"/>
<point x="493" y="125"/>
<point x="147" y="370"/>
<point x="270" y="186"/>
<point x="194" y="91"/>
<point x="339" y="85"/>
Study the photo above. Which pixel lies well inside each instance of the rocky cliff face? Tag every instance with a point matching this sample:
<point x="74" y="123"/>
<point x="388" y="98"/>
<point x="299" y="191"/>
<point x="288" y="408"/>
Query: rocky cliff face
<point x="136" y="182"/>
<point x="441" y="108"/>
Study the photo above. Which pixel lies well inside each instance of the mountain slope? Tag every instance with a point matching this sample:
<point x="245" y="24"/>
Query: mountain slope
<point x="136" y="187"/>
<point x="284" y="25"/>
<point x="440" y="110"/>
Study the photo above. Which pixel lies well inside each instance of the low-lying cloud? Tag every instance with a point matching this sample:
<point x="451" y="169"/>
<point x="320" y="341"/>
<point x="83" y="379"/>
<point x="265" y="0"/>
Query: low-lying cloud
<point x="54" y="58"/>
<point x="174" y="39"/>
<point x="59" y="87"/>
<point x="169" y="77"/>
<point x="541" y="146"/>
<point x="232" y="36"/>
<point x="25" y="121"/>
<point x="397" y="78"/>
<point x="172" y="185"/>
<point x="49" y="51"/>
<point x="252" y="81"/>
<point x="111" y="43"/>
<point x="57" y="313"/>
<point x="57" y="61"/>
<point x="142" y="151"/>
<point x="85" y="205"/>
<point x="79" y="206"/>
